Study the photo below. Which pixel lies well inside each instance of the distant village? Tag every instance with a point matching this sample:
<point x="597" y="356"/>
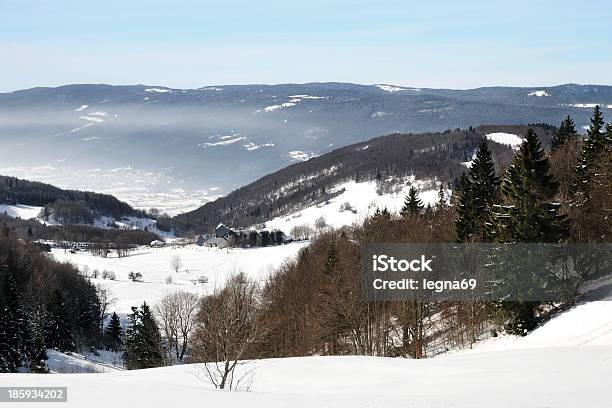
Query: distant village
<point x="225" y="237"/>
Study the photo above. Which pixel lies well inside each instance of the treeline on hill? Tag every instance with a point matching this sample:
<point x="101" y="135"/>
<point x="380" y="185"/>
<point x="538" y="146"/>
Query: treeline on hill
<point x="64" y="206"/>
<point x="427" y="156"/>
<point x="30" y="230"/>
<point x="43" y="304"/>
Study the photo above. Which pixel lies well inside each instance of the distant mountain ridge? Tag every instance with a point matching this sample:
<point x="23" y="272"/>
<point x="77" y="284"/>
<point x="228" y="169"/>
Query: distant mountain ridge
<point x="156" y="146"/>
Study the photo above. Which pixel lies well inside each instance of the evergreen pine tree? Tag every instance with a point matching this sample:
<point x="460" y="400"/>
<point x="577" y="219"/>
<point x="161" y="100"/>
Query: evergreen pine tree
<point x="132" y="341"/>
<point x="15" y="335"/>
<point x="592" y="148"/>
<point x="477" y="192"/>
<point x="566" y="132"/>
<point x="143" y="341"/>
<point x="528" y="188"/>
<point x="465" y="222"/>
<point x="113" y="333"/>
<point x="385" y="214"/>
<point x="38" y="324"/>
<point x="529" y="216"/>
<point x="331" y="260"/>
<point x="412" y="204"/>
<point x="9" y="338"/>
<point x="441" y="197"/>
<point x="58" y="331"/>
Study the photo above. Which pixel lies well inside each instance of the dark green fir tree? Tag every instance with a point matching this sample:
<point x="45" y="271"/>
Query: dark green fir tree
<point x="565" y="133"/>
<point x="477" y="193"/>
<point x="412" y="204"/>
<point x="592" y="148"/>
<point x="58" y="331"/>
<point x="113" y="333"/>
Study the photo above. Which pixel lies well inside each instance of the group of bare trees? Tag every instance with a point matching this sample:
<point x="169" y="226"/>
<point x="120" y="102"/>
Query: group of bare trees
<point x="218" y="331"/>
<point x="228" y="328"/>
<point x="313" y="305"/>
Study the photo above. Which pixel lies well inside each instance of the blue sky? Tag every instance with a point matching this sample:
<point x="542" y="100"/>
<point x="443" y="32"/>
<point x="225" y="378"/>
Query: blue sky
<point x="451" y="44"/>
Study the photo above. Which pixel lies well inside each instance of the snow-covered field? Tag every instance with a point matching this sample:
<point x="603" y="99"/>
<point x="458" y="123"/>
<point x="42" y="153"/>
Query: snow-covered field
<point x="25" y="212"/>
<point x="363" y="200"/>
<point x="554" y="377"/>
<point x="154" y="264"/>
<point x="567" y="362"/>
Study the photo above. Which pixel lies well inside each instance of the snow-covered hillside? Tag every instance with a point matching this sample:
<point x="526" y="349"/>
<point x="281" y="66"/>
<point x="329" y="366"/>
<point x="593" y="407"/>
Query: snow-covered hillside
<point x="546" y="377"/>
<point x="158" y="278"/>
<point x="28" y="212"/>
<point x="354" y="204"/>
<point x="565" y="363"/>
<point x="25" y="212"/>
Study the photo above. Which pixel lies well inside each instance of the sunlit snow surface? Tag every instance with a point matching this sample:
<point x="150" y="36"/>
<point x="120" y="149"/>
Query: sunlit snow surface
<point x="25" y="212"/>
<point x="363" y="200"/>
<point x="216" y="265"/>
<point x="507" y="139"/>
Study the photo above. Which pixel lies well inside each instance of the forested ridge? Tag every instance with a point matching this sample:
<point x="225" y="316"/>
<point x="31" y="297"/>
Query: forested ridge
<point x="80" y="205"/>
<point x="427" y="156"/>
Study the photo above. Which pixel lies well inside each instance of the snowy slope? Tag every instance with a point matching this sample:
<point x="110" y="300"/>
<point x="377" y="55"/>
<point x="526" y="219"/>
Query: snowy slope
<point x="556" y="377"/>
<point x="586" y="324"/>
<point x="567" y="362"/>
<point x="25" y="212"/>
<point x="77" y="363"/>
<point x="363" y="200"/>
<point x="154" y="265"/>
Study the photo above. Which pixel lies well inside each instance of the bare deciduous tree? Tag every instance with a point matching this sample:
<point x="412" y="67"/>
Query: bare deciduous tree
<point x="106" y="301"/>
<point x="228" y="326"/>
<point x="176" y="263"/>
<point x="177" y="312"/>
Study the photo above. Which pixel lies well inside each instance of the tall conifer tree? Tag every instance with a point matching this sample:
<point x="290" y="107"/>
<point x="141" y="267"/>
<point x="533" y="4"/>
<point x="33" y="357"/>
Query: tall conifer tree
<point x="592" y="148"/>
<point x="477" y="193"/>
<point x="412" y="204"/>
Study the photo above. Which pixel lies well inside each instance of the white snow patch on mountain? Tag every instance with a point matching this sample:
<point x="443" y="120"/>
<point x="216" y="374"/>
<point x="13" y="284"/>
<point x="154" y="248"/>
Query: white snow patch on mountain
<point x="300" y="155"/>
<point x="538" y="93"/>
<point x="507" y="139"/>
<point x="395" y="88"/>
<point x="273" y="108"/>
<point x="590" y="105"/>
<point x="81" y="108"/>
<point x="25" y="212"/>
<point x="252" y="146"/>
<point x="78" y="129"/>
<point x="158" y="90"/>
<point x="469" y="163"/>
<point x="94" y="119"/>
<point x="224" y="142"/>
